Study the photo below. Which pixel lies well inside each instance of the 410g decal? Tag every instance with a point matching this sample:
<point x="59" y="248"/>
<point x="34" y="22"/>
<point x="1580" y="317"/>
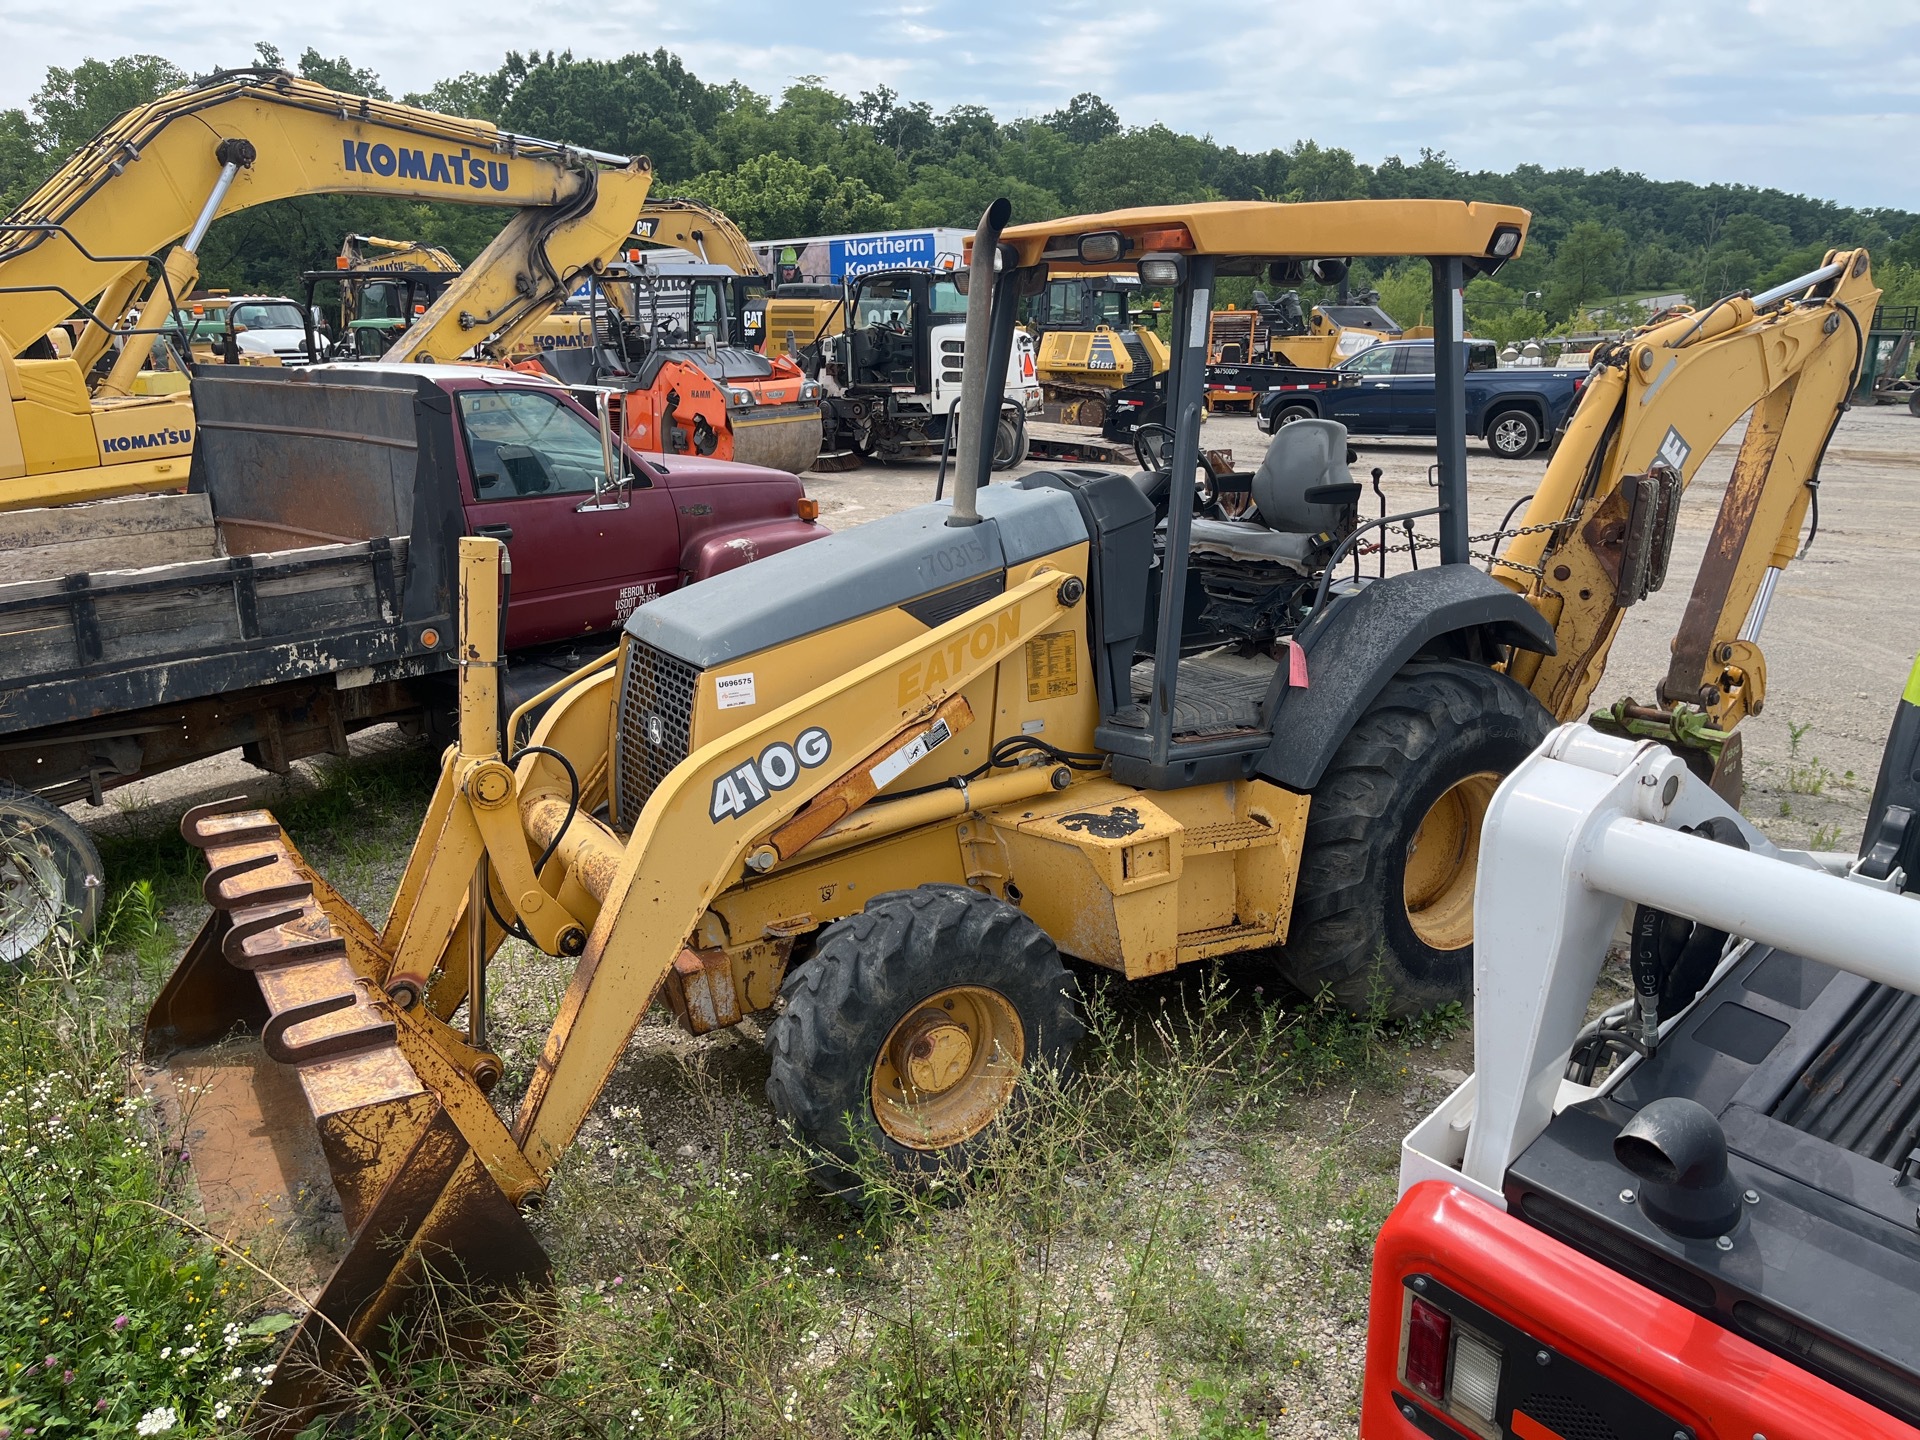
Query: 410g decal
<point x="778" y="766"/>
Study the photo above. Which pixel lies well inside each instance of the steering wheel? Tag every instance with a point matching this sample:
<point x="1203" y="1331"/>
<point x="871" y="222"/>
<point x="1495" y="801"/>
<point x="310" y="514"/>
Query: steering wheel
<point x="1153" y="446"/>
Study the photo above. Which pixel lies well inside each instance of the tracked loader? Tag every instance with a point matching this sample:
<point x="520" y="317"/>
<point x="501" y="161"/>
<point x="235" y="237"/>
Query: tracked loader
<point x="879" y="787"/>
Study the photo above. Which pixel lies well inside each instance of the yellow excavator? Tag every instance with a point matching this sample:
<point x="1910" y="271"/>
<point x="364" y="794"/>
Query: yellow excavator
<point x="382" y="287"/>
<point x="87" y="244"/>
<point x="676" y="344"/>
<point x="881" y="786"/>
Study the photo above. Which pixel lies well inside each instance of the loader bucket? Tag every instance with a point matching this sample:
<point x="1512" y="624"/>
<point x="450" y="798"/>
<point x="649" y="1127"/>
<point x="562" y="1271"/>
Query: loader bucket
<point x="312" y="1110"/>
<point x="787" y="441"/>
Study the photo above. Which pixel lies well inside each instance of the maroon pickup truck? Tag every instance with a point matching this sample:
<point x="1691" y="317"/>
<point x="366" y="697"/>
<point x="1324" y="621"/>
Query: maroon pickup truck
<point x="305" y="587"/>
<point x="531" y="472"/>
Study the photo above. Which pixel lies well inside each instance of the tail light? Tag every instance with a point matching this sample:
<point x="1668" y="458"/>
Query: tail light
<point x="1455" y="1368"/>
<point x="1429" y="1338"/>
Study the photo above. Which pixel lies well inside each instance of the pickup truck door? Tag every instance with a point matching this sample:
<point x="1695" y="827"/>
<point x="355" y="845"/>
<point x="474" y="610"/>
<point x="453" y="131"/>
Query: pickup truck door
<point x="1411" y="390"/>
<point x="1363" y="408"/>
<point x="581" y="563"/>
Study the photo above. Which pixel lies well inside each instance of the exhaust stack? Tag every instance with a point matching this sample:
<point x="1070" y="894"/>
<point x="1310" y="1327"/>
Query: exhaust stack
<point x="975" y="451"/>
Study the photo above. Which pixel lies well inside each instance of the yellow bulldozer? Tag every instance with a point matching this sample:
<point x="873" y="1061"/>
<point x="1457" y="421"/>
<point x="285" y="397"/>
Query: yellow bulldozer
<point x="882" y="785"/>
<point x="1092" y="340"/>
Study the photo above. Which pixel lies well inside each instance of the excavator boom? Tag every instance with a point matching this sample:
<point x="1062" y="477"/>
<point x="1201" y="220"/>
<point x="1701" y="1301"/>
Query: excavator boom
<point x="85" y="243"/>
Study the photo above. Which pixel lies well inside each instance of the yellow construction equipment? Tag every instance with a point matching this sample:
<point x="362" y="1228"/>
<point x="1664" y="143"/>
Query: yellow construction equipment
<point x="87" y="242"/>
<point x="1091" y="341"/>
<point x="384" y="286"/>
<point x="676" y="344"/>
<point x="882" y="784"/>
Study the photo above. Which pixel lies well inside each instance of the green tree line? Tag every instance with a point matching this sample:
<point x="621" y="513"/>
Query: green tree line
<point x="815" y="161"/>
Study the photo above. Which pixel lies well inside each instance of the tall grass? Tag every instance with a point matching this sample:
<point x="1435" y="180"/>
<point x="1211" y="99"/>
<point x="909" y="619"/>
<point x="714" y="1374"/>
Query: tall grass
<point x="114" y="1318"/>
<point x="1157" y="1246"/>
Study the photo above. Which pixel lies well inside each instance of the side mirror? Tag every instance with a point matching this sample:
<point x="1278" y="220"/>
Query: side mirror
<point x="611" y="484"/>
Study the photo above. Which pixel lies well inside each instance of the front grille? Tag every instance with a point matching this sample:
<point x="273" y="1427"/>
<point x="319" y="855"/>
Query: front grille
<point x="656" y="726"/>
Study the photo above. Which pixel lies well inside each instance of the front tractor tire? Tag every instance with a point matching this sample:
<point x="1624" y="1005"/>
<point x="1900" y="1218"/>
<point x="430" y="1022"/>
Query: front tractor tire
<point x="1383" y="911"/>
<point x="905" y="1036"/>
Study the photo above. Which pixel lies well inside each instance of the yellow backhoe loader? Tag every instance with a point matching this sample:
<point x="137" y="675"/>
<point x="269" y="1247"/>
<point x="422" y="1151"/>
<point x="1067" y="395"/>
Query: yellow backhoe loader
<point x="86" y="243"/>
<point x="880" y="786"/>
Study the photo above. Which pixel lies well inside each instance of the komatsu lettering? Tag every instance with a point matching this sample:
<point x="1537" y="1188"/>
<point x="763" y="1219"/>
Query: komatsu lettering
<point x="152" y="440"/>
<point x="475" y="172"/>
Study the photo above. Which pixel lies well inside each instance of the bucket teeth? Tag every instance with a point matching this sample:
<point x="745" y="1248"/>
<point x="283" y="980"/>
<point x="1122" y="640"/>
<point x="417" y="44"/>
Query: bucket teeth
<point x="384" y="1184"/>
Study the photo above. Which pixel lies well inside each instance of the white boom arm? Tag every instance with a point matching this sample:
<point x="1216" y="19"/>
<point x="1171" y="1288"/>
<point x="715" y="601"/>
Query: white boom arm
<point x="1585" y="824"/>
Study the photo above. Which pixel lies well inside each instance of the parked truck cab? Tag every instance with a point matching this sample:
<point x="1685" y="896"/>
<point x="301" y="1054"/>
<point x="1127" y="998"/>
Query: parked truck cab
<point x="1388" y="389"/>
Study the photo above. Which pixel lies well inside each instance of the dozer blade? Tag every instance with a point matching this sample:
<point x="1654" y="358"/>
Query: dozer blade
<point x="313" y="1110"/>
<point x="789" y="442"/>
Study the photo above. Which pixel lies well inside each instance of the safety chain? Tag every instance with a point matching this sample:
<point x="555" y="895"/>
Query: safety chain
<point x="1424" y="542"/>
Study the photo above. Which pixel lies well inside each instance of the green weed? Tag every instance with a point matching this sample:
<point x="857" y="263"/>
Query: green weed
<point x="112" y="1316"/>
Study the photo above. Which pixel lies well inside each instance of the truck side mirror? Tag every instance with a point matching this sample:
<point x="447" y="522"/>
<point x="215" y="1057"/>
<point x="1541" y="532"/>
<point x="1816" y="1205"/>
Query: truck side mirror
<point x="610" y="486"/>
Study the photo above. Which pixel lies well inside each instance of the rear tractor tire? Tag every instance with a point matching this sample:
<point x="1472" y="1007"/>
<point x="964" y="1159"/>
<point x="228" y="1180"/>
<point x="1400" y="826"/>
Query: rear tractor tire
<point x="905" y="1036"/>
<point x="1383" y="912"/>
<point x="50" y="875"/>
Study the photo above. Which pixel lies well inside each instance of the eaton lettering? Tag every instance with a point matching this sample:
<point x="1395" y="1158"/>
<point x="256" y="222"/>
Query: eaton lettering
<point x="431" y="167"/>
<point x="919" y="677"/>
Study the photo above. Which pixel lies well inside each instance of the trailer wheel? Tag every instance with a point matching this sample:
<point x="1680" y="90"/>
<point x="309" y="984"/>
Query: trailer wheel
<point x="906" y="1034"/>
<point x="1010" y="440"/>
<point x="50" y="874"/>
<point x="1513" y="435"/>
<point x="1383" y="911"/>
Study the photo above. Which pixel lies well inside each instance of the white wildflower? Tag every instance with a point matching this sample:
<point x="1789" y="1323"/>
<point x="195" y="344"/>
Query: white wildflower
<point x="156" y="1422"/>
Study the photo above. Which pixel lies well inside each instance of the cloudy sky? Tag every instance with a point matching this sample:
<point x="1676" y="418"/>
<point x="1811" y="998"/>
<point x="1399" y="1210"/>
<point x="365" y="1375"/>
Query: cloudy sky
<point x="1818" y="98"/>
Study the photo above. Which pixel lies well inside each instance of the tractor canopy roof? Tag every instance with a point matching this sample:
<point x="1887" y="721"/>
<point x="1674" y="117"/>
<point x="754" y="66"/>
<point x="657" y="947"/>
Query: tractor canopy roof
<point x="1257" y="231"/>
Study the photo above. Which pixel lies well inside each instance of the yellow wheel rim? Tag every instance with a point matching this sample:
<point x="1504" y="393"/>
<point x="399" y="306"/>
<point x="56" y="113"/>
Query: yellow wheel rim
<point x="1441" y="860"/>
<point x="948" y="1068"/>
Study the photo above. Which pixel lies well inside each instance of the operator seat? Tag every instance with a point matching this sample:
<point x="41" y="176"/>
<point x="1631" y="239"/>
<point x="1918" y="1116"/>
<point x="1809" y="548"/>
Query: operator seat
<point x="1305" y="497"/>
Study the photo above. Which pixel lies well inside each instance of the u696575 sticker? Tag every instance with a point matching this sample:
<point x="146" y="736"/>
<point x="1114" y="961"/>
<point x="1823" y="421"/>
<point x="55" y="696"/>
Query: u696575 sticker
<point x="773" y="770"/>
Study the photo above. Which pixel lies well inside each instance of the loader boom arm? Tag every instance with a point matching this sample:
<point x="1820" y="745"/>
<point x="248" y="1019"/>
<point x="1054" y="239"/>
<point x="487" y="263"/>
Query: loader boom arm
<point x="1652" y="410"/>
<point x="161" y="173"/>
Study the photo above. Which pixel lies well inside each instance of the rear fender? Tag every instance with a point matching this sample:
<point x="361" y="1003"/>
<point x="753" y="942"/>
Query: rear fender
<point x="1363" y="639"/>
<point x="1498" y="404"/>
<point x="716" y="552"/>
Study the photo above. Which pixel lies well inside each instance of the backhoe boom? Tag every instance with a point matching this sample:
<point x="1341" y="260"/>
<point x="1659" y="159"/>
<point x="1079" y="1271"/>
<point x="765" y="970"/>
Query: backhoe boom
<point x="1652" y="411"/>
